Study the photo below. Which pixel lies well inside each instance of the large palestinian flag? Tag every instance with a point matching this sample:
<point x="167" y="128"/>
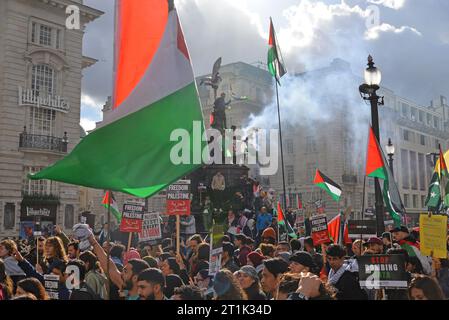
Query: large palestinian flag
<point x="274" y="62"/>
<point x="323" y="182"/>
<point x="154" y="94"/>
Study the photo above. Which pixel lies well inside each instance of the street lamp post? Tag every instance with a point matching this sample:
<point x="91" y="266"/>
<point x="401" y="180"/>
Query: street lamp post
<point x="390" y="152"/>
<point x="368" y="91"/>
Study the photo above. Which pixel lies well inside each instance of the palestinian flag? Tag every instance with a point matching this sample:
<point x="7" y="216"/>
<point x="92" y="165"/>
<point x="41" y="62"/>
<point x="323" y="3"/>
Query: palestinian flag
<point x="444" y="179"/>
<point x="275" y="63"/>
<point x="136" y="150"/>
<point x="114" y="208"/>
<point x="413" y="250"/>
<point x="334" y="228"/>
<point x="323" y="182"/>
<point x="284" y="223"/>
<point x="375" y="166"/>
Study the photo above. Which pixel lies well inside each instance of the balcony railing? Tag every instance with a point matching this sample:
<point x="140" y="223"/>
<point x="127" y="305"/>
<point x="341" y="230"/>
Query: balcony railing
<point x="29" y="97"/>
<point x="41" y="142"/>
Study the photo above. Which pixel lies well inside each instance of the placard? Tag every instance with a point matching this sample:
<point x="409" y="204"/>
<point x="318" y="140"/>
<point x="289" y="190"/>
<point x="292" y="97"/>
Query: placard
<point x="216" y="249"/>
<point x="151" y="227"/>
<point x="365" y="228"/>
<point x="319" y="230"/>
<point x="132" y="216"/>
<point x="178" y="198"/>
<point x="432" y="235"/>
<point x="51" y="284"/>
<point x="382" y="271"/>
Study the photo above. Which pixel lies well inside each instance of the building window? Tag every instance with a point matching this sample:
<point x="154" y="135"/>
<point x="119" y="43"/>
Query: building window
<point x="415" y="201"/>
<point x="413" y="170"/>
<point x="290" y="174"/>
<point x="421" y="116"/>
<point x="406" y="135"/>
<point x="45" y="35"/>
<point x="413" y="114"/>
<point x="405" y="110"/>
<point x="266" y="181"/>
<point x="423" y="201"/>
<point x="422" y="172"/>
<point x="422" y="139"/>
<point x="42" y="121"/>
<point x="37" y="187"/>
<point x="435" y="122"/>
<point x="405" y="169"/>
<point x="429" y="119"/>
<point x="43" y="80"/>
<point x="68" y="216"/>
<point x="310" y="144"/>
<point x="370" y="182"/>
<point x="289" y="144"/>
<point x="371" y="200"/>
<point x="406" y="200"/>
<point x="437" y="144"/>
<point x="310" y="171"/>
<point x="9" y="218"/>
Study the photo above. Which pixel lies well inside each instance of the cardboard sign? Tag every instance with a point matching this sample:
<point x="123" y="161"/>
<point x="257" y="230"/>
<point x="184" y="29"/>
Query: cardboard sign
<point x="365" y="228"/>
<point x="132" y="216"/>
<point x="382" y="271"/>
<point x="432" y="235"/>
<point x="178" y="198"/>
<point x="26" y="229"/>
<point x="319" y="231"/>
<point x="51" y="284"/>
<point x="216" y="249"/>
<point x="151" y="227"/>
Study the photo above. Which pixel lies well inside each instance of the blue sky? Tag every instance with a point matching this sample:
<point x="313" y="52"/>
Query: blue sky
<point x="410" y="44"/>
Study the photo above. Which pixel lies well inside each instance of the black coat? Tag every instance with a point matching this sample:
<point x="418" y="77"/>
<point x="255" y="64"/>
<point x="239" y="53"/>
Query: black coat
<point x="349" y="288"/>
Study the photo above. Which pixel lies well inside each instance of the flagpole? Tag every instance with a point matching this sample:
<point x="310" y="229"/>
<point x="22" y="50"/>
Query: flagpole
<point x="280" y="138"/>
<point x="363" y="209"/>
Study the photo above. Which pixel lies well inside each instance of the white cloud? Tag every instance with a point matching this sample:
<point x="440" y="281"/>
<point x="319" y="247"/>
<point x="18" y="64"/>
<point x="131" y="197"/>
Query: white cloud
<point x="393" y="4"/>
<point x="373" y="33"/>
<point x="90" y="102"/>
<point x="87" y="124"/>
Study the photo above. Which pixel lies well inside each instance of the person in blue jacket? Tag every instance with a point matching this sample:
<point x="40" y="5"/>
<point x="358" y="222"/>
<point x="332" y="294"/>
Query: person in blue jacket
<point x="263" y="221"/>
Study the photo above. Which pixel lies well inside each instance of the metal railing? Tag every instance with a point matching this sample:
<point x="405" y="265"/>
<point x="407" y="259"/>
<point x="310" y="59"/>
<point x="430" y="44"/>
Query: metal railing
<point x="42" y="142"/>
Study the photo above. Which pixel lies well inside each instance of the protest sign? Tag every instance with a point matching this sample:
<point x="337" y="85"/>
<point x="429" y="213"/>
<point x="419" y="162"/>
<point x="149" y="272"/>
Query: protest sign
<point x="151" y="227"/>
<point x="216" y="249"/>
<point x="432" y="235"/>
<point x="365" y="228"/>
<point x="132" y="216"/>
<point x="382" y="271"/>
<point x="51" y="284"/>
<point x="178" y="198"/>
<point x="319" y="230"/>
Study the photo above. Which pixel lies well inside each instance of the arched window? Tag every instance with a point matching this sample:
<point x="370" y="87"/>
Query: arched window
<point x="43" y="80"/>
<point x="9" y="218"/>
<point x="68" y="216"/>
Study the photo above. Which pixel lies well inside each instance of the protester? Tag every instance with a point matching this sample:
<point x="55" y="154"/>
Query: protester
<point x="269" y="236"/>
<point x="425" y="288"/>
<point x="443" y="276"/>
<point x="345" y="281"/>
<point x="288" y="284"/>
<point x="33" y="286"/>
<point x="94" y="277"/>
<point x="310" y="287"/>
<point x="205" y="283"/>
<point x="283" y="246"/>
<point x="302" y="261"/>
<point x="226" y="287"/>
<point x="267" y="250"/>
<point x="172" y="281"/>
<point x="309" y="247"/>
<point x="271" y="274"/>
<point x="242" y="249"/>
<point x="263" y="220"/>
<point x="12" y="269"/>
<point x="73" y="250"/>
<point x="37" y="252"/>
<point x="249" y="281"/>
<point x="227" y="260"/>
<point x="150" y="285"/>
<point x="255" y="259"/>
<point x="152" y="262"/>
<point x="201" y="260"/>
<point x="188" y="226"/>
<point x="189" y="292"/>
<point x="374" y="246"/>
<point x="6" y="284"/>
<point x="295" y="245"/>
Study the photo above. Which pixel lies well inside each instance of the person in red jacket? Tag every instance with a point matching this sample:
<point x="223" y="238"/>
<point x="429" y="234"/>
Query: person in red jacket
<point x="243" y="249"/>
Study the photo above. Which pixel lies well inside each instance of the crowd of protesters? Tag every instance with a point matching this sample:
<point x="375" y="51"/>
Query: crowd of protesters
<point x="255" y="265"/>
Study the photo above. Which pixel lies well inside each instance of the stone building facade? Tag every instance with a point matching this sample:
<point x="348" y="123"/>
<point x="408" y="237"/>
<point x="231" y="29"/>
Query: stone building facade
<point x="41" y="64"/>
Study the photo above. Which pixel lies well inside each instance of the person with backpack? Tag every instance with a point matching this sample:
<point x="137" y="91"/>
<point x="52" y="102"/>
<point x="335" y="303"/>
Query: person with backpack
<point x="81" y="290"/>
<point x="94" y="277"/>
